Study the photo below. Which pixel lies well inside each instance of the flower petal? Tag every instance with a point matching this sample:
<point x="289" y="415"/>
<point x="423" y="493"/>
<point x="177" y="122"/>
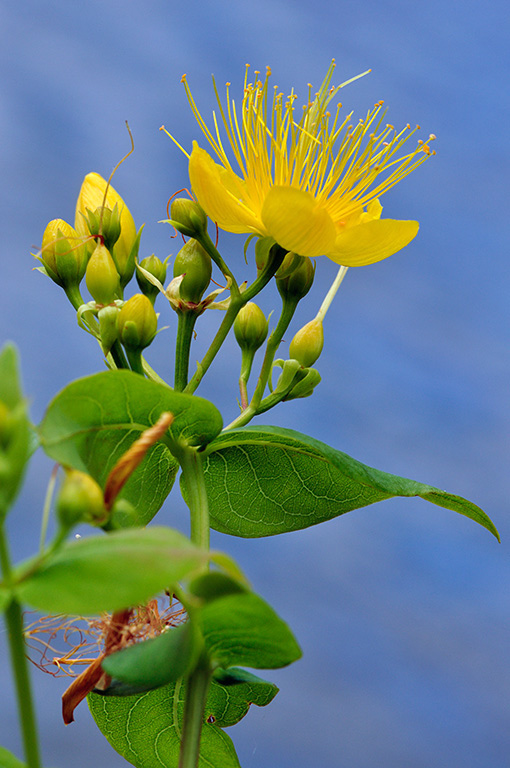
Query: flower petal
<point x="297" y="223"/>
<point x="372" y="241"/>
<point x="219" y="193"/>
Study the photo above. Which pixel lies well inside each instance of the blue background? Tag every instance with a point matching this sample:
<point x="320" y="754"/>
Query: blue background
<point x="401" y="608"/>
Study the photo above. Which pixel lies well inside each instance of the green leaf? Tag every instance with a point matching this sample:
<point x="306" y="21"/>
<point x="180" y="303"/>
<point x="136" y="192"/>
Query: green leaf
<point x="94" y="421"/>
<point x="231" y="693"/>
<point x="8" y="760"/>
<point x="158" y="661"/>
<point x="145" y="729"/>
<point x="14" y="429"/>
<point x="243" y="629"/>
<point x="109" y="572"/>
<point x="267" y="480"/>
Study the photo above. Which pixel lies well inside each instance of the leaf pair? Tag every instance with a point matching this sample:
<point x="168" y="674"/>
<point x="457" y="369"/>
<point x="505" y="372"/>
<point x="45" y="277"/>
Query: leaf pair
<point x="260" y="480"/>
<point x="236" y="627"/>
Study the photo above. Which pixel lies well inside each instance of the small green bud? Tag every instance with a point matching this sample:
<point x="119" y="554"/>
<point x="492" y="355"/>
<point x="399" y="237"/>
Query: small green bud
<point x="137" y="323"/>
<point x="188" y="217"/>
<point x="307" y="344"/>
<point x="80" y="500"/>
<point x="250" y="327"/>
<point x="298" y="283"/>
<point x="63" y="254"/>
<point x="194" y="263"/>
<point x="288" y="265"/>
<point x="306" y="386"/>
<point x="108" y="330"/>
<point x="157" y="268"/>
<point x="106" y="223"/>
<point x="101" y="276"/>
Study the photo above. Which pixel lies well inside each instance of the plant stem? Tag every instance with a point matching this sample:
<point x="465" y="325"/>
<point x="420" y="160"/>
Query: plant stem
<point x="193" y="474"/>
<point x="118" y="355"/>
<point x="274" y="341"/>
<point x="186" y="323"/>
<point x="331" y="293"/>
<point x="198" y="682"/>
<point x="14" y="622"/>
<point x="221" y="335"/>
<point x="237" y="301"/>
<point x="194" y="707"/>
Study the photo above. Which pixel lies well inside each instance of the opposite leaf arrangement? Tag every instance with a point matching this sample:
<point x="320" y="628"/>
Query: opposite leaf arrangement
<point x="170" y="674"/>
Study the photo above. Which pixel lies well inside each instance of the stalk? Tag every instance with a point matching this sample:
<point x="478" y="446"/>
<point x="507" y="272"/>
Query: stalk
<point x="14" y="622"/>
<point x="198" y="682"/>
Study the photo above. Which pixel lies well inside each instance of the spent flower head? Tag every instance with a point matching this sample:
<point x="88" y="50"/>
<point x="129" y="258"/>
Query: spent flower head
<point x="309" y="181"/>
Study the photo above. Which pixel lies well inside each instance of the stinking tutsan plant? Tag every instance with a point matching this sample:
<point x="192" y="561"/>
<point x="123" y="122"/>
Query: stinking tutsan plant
<point x="169" y="628"/>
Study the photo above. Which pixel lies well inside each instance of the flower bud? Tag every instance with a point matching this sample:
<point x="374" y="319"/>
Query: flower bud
<point x="250" y="327"/>
<point x="108" y="330"/>
<point x="157" y="268"/>
<point x="63" y="254"/>
<point x="101" y="276"/>
<point x="298" y="283"/>
<point x="105" y="222"/>
<point x="91" y="198"/>
<point x="304" y="387"/>
<point x="80" y="499"/>
<point x="288" y="265"/>
<point x="194" y="263"/>
<point x="137" y="323"/>
<point x="307" y="344"/>
<point x="188" y="217"/>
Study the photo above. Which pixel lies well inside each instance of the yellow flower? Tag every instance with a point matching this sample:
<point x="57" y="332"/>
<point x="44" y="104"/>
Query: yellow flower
<point x="312" y="183"/>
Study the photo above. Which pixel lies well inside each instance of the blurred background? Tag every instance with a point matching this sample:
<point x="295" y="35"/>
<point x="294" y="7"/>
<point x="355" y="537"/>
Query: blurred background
<point x="402" y="608"/>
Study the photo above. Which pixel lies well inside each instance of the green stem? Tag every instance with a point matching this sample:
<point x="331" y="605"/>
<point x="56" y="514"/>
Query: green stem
<point x="198" y="682"/>
<point x="221" y="334"/>
<point x="194" y="708"/>
<point x="237" y="301"/>
<point x="185" y="325"/>
<point x="193" y="474"/>
<point x="118" y="355"/>
<point x="74" y="296"/>
<point x="208" y="245"/>
<point x="274" y="341"/>
<point x="14" y="622"/>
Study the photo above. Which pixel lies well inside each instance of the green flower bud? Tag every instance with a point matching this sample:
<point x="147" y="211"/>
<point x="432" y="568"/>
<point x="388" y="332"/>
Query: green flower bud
<point x="106" y="223"/>
<point x="137" y="323"/>
<point x="157" y="268"/>
<point x="80" y="499"/>
<point x="63" y="254"/>
<point x="307" y="344"/>
<point x="250" y="327"/>
<point x="298" y="283"/>
<point x="108" y="330"/>
<point x="304" y="387"/>
<point x="101" y="276"/>
<point x="288" y="265"/>
<point x="194" y="263"/>
<point x="188" y="217"/>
